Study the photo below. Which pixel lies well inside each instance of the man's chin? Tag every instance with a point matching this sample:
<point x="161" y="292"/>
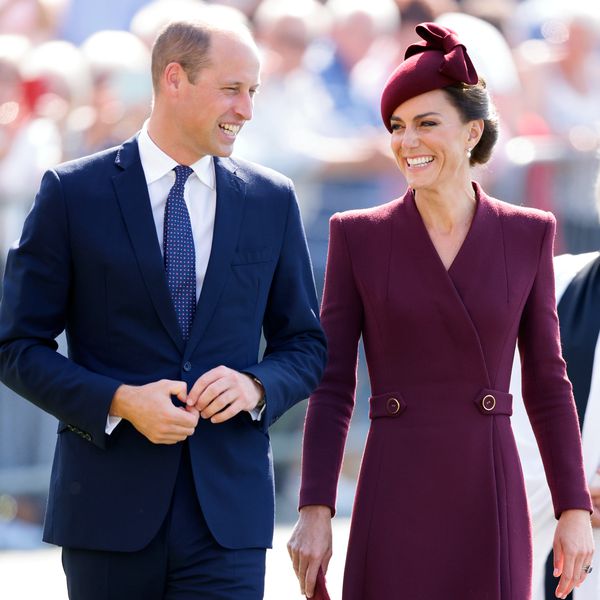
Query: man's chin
<point x="224" y="150"/>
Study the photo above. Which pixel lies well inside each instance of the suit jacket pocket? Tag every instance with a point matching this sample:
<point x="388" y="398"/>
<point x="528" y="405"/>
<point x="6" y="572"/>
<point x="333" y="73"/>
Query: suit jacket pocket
<point x="250" y="256"/>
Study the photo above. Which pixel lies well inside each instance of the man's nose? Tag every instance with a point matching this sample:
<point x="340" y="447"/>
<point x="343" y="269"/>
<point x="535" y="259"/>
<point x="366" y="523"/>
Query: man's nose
<point x="245" y="106"/>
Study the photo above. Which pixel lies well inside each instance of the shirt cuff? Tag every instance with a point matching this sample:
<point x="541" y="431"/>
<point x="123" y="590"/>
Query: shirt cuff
<point x="111" y="424"/>
<point x="257" y="413"/>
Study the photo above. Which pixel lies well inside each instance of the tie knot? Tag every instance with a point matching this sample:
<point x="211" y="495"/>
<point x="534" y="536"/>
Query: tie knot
<point x="181" y="174"/>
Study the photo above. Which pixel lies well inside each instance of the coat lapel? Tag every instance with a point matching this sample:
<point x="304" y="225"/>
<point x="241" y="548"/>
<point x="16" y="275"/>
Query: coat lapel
<point x="231" y="191"/>
<point x="132" y="194"/>
<point x="464" y="289"/>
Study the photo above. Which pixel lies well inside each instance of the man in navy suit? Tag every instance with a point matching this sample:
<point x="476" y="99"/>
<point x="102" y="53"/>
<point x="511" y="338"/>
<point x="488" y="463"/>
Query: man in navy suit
<point x="162" y="484"/>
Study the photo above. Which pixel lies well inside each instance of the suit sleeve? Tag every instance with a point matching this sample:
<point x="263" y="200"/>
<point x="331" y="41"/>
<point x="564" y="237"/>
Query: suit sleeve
<point x="547" y="392"/>
<point x="34" y="311"/>
<point x="330" y="407"/>
<point x="295" y="353"/>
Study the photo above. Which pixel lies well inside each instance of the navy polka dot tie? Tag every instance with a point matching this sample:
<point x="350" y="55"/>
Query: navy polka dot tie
<point x="179" y="252"/>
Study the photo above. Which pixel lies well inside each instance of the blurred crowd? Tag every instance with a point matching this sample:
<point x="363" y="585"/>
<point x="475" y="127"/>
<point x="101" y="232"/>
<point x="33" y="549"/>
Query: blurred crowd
<point x="75" y="78"/>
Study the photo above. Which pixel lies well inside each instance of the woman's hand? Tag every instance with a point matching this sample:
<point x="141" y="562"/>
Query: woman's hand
<point x="310" y="546"/>
<point x="573" y="550"/>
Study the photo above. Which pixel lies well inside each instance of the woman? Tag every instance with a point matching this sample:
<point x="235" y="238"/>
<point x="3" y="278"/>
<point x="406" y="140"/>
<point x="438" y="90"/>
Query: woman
<point x="440" y="284"/>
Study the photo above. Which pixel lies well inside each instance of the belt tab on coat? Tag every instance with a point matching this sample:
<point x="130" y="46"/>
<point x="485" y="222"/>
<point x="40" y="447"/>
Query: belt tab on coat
<point x="494" y="402"/>
<point x="391" y="404"/>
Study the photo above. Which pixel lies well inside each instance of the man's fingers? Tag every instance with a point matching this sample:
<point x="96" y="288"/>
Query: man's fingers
<point x="231" y="406"/>
<point x="177" y="388"/>
<point x="215" y="397"/>
<point x="205" y="380"/>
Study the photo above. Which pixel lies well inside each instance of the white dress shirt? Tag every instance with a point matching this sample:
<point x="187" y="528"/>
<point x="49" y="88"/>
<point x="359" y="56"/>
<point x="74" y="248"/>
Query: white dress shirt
<point x="200" y="195"/>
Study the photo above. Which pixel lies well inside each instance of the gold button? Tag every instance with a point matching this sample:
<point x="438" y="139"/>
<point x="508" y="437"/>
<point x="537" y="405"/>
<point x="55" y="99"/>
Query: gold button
<point x="393" y="406"/>
<point x="488" y="402"/>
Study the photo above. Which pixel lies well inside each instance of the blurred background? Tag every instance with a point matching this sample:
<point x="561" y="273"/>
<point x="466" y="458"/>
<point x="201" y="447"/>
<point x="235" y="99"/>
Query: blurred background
<point x="75" y="78"/>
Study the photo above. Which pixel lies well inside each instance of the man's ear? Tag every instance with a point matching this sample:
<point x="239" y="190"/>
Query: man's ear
<point x="172" y="79"/>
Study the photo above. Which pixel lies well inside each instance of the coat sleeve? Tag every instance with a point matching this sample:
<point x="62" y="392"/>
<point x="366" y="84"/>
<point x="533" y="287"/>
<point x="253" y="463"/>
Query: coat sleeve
<point x="295" y="351"/>
<point x="330" y="406"/>
<point x="34" y="311"/>
<point x="547" y="392"/>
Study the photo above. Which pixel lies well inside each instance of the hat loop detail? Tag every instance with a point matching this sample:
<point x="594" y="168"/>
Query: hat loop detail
<point x="456" y="63"/>
<point x="440" y="60"/>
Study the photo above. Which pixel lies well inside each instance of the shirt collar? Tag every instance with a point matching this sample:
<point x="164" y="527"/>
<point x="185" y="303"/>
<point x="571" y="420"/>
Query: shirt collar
<point x="157" y="164"/>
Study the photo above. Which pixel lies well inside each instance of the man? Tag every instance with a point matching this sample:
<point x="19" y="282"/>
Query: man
<point x="578" y="296"/>
<point x="164" y="264"/>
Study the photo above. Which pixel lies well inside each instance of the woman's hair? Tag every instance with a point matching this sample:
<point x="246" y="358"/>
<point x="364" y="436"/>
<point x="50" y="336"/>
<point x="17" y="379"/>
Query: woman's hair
<point x="473" y="102"/>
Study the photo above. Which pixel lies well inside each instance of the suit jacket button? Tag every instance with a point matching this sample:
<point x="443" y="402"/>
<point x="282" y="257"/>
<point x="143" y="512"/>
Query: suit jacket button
<point x="393" y="406"/>
<point x="488" y="402"/>
<point x="187" y="367"/>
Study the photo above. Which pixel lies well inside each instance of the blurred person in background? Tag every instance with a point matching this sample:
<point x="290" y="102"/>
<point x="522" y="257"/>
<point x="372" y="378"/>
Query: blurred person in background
<point x="578" y="297"/>
<point x="562" y="84"/>
<point x="441" y="284"/>
<point x="388" y="49"/>
<point x="121" y="92"/>
<point x="351" y="115"/>
<point x="80" y="19"/>
<point x="35" y="19"/>
<point x="30" y="139"/>
<point x="247" y="7"/>
<point x="494" y="61"/>
<point x="164" y="260"/>
<point x="148" y="21"/>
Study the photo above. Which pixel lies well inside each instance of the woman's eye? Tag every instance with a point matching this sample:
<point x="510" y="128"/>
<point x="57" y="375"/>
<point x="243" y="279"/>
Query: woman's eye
<point x="428" y="124"/>
<point x="397" y="126"/>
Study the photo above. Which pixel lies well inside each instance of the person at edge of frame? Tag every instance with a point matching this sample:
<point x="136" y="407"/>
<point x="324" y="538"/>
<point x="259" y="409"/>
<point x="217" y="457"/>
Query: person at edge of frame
<point x="164" y="260"/>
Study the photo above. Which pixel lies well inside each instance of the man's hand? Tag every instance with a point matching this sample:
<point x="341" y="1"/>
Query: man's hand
<point x="150" y="410"/>
<point x="310" y="546"/>
<point x="222" y="393"/>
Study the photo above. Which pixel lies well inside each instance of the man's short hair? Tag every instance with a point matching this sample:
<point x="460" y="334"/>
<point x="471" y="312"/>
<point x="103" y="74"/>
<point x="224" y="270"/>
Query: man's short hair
<point x="183" y="42"/>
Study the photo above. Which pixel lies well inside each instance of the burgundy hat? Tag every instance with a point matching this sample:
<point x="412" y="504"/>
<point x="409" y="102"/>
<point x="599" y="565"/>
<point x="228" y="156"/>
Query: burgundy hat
<point x="439" y="61"/>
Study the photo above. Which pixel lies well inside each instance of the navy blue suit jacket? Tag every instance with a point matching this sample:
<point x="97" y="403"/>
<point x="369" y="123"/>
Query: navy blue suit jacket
<point x="89" y="262"/>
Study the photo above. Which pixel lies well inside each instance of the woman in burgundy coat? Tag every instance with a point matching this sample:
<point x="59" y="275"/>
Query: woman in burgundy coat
<point x="441" y="284"/>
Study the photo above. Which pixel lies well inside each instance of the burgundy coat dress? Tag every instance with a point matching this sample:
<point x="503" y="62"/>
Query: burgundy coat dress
<point x="440" y="509"/>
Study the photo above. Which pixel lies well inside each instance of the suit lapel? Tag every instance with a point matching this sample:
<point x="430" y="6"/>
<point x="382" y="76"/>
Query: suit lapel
<point x="231" y="191"/>
<point x="132" y="194"/>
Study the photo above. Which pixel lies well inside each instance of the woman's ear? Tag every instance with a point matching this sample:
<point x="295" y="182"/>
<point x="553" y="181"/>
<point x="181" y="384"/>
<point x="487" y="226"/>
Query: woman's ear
<point x="475" y="131"/>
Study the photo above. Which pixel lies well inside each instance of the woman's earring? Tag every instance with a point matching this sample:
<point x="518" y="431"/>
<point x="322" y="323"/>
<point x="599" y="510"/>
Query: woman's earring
<point x="468" y="152"/>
